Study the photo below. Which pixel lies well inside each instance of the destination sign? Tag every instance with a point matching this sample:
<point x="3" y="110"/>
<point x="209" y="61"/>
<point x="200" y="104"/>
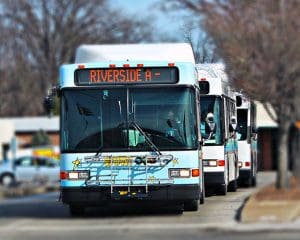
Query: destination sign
<point x="114" y="76"/>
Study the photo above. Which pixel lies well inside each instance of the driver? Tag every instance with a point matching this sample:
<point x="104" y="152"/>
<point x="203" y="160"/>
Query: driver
<point x="173" y="125"/>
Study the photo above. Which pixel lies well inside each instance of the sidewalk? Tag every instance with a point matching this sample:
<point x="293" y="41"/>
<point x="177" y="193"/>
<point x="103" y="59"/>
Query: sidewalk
<point x="26" y="189"/>
<point x="270" y="205"/>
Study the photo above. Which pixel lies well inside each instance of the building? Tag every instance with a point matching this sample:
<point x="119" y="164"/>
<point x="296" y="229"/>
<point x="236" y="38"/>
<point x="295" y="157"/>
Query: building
<point x="20" y="131"/>
<point x="267" y="144"/>
<point x="6" y="137"/>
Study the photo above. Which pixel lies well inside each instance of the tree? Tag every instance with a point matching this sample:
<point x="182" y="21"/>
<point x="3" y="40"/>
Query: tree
<point x="202" y="45"/>
<point x="259" y="42"/>
<point x="40" y="138"/>
<point x="40" y="35"/>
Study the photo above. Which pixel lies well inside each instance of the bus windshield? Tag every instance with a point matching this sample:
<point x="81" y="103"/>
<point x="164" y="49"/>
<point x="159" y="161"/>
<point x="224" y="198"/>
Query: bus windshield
<point x="212" y="104"/>
<point x="242" y="124"/>
<point x="106" y="119"/>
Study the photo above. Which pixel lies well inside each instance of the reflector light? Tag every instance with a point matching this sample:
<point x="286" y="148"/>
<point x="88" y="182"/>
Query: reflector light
<point x="171" y="64"/>
<point x="126" y="65"/>
<point x="221" y="163"/>
<point x="81" y="66"/>
<point x="140" y="65"/>
<point x="247" y="164"/>
<point x="63" y="175"/>
<point x="112" y="65"/>
<point x="195" y="172"/>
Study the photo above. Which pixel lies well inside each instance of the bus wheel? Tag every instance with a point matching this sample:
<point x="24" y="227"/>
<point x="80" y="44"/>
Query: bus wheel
<point x="76" y="211"/>
<point x="232" y="187"/>
<point x="222" y="189"/>
<point x="248" y="182"/>
<point x="202" y="195"/>
<point x="191" y="205"/>
<point x="253" y="182"/>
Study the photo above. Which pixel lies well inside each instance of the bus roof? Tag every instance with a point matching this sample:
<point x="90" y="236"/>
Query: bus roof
<point x="215" y="74"/>
<point x="244" y="101"/>
<point x="170" y="52"/>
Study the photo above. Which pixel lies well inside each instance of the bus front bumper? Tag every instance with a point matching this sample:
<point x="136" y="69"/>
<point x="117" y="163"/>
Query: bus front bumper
<point x="92" y="196"/>
<point x="214" y="178"/>
<point x="245" y="174"/>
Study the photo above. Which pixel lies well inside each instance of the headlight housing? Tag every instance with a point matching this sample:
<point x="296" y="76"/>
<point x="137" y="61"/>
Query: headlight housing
<point x="179" y="172"/>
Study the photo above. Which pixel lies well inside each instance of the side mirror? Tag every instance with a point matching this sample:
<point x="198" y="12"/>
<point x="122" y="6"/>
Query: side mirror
<point x="239" y="101"/>
<point x="49" y="101"/>
<point x="254" y="130"/>
<point x="48" y="105"/>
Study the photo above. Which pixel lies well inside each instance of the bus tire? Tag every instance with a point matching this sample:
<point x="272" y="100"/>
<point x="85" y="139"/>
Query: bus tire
<point x="232" y="187"/>
<point x="202" y="195"/>
<point x="76" y="211"/>
<point x="253" y="181"/>
<point x="248" y="182"/>
<point x="191" y="205"/>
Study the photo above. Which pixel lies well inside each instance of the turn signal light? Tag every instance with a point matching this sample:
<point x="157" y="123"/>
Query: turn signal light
<point x="63" y="175"/>
<point x="221" y="163"/>
<point x="195" y="172"/>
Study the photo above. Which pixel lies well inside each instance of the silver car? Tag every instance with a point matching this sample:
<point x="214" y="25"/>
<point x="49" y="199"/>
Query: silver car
<point x="29" y="169"/>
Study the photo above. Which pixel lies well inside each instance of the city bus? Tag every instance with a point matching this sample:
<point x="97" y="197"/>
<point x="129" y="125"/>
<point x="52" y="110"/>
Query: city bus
<point x="130" y="127"/>
<point x="218" y="125"/>
<point x="247" y="140"/>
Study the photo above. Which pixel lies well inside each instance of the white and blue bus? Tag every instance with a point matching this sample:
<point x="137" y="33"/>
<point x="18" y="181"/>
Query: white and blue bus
<point x="130" y="129"/>
<point x="247" y="140"/>
<point x="218" y="123"/>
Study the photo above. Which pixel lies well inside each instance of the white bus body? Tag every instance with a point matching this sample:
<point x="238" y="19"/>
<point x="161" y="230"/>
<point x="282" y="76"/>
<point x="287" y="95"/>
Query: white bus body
<point x="247" y="140"/>
<point x="118" y="139"/>
<point x="220" y="155"/>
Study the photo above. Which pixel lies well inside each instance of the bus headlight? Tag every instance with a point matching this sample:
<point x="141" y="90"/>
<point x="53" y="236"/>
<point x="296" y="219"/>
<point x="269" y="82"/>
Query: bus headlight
<point x="210" y="163"/>
<point x="78" y="175"/>
<point x="179" y="172"/>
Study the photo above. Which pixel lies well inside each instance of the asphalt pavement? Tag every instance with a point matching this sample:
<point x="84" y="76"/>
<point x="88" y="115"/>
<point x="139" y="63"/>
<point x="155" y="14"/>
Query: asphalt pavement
<point x="44" y="217"/>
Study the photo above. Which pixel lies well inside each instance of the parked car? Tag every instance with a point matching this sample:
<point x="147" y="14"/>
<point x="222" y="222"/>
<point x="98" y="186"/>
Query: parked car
<point x="29" y="169"/>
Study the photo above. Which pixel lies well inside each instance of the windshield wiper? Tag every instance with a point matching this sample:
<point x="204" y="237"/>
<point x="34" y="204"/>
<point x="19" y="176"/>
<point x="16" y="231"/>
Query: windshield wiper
<point x="148" y="140"/>
<point x="98" y="151"/>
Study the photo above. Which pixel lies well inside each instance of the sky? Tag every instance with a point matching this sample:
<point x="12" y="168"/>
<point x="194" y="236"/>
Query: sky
<point x="170" y="22"/>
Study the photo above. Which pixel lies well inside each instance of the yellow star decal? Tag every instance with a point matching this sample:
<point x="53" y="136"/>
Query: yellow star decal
<point x="175" y="161"/>
<point x="76" y="163"/>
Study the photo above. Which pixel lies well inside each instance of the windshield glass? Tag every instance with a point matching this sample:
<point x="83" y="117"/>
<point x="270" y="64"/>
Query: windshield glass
<point x="106" y="119"/>
<point x="242" y="124"/>
<point x="212" y="105"/>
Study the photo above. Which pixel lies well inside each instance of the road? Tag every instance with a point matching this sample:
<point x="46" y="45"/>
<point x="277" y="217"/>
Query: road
<point x="43" y="217"/>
